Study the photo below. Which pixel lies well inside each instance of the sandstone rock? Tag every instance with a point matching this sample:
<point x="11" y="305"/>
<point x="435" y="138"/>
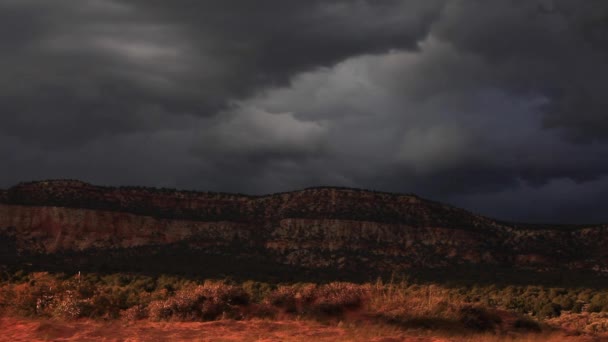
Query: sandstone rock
<point x="314" y="228"/>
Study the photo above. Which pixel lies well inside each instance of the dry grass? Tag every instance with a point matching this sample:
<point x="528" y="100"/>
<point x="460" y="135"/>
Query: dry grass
<point x="337" y="311"/>
<point x="592" y="323"/>
<point x="204" y="302"/>
<point x="229" y="330"/>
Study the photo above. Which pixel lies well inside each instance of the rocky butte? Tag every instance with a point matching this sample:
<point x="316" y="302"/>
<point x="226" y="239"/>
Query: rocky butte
<point x="72" y="224"/>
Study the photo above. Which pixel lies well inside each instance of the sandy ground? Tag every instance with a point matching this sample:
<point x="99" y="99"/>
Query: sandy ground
<point x="254" y="330"/>
<point x="17" y="329"/>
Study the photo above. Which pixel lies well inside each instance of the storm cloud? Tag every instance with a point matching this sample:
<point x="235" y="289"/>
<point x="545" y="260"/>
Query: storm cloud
<point x="495" y="106"/>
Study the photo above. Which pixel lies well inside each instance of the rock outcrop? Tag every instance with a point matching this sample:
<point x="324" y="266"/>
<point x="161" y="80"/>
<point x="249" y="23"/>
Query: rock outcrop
<point x="317" y="228"/>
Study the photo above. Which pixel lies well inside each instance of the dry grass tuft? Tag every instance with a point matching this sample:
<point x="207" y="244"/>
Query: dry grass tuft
<point x="204" y="302"/>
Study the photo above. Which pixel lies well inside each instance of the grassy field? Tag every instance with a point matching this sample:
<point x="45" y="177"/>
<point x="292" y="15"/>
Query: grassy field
<point x="44" y="306"/>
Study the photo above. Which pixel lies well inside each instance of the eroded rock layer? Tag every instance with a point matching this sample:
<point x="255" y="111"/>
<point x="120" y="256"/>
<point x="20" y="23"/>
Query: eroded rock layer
<point x="318" y="228"/>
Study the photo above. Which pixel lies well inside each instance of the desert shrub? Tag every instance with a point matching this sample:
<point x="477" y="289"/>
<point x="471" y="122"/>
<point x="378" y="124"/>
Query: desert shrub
<point x="5" y="297"/>
<point x="34" y="296"/>
<point x="440" y="307"/>
<point x="159" y="310"/>
<point x="478" y="318"/>
<point x="566" y="303"/>
<point x="107" y="302"/>
<point x="135" y="313"/>
<point x="257" y="291"/>
<point x="21" y="300"/>
<point x="284" y="297"/>
<point x="585" y="295"/>
<point x="203" y="302"/>
<point x="598" y="303"/>
<point x="66" y="305"/>
<point x="594" y="307"/>
<point x="334" y="298"/>
<point x="220" y="292"/>
<point x="170" y="283"/>
<point x="45" y="295"/>
<point x="577" y="307"/>
<point x="550" y="310"/>
<point x="327" y="299"/>
<point x="135" y="297"/>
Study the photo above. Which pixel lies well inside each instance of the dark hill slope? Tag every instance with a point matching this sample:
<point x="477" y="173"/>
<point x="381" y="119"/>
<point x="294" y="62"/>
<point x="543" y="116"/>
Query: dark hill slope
<point x="318" y="228"/>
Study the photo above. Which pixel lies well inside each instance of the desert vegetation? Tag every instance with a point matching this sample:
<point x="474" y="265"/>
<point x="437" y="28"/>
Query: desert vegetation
<point x="399" y="304"/>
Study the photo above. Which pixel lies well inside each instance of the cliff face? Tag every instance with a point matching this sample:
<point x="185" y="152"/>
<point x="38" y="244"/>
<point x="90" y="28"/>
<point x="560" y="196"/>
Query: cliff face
<point x="54" y="229"/>
<point x="314" y="228"/>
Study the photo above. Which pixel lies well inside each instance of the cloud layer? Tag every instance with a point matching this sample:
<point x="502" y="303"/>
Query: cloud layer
<point x="495" y="106"/>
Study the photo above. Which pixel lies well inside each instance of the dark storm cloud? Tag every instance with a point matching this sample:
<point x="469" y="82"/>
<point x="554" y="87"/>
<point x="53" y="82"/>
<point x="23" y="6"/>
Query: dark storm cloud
<point x="78" y="70"/>
<point x="554" y="48"/>
<point x="274" y="38"/>
<point x="479" y="103"/>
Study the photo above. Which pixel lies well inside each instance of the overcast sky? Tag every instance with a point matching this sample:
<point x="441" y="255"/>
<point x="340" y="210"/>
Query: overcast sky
<point x="497" y="106"/>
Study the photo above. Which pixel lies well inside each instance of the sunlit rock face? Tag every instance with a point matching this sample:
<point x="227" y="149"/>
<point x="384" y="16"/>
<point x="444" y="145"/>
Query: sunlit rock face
<point x="313" y="228"/>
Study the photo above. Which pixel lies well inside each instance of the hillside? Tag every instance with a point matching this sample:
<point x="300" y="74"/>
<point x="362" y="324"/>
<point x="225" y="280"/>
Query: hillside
<point x="79" y="225"/>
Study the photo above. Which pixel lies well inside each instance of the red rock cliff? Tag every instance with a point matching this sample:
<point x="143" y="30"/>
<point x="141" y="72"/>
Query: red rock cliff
<point x="313" y="228"/>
